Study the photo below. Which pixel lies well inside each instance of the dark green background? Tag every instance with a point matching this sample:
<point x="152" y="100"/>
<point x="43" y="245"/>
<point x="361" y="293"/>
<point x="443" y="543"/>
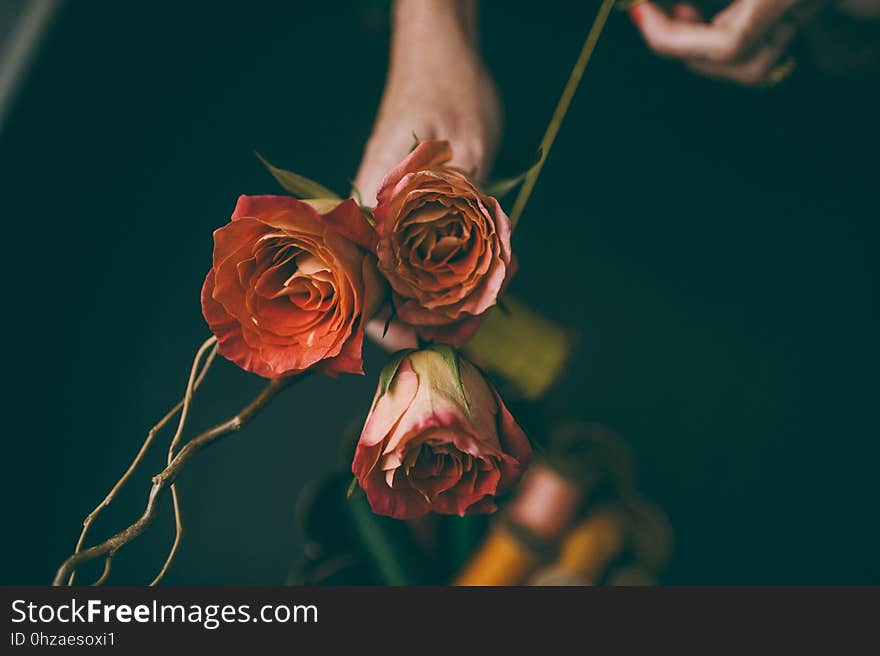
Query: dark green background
<point x="715" y="246"/>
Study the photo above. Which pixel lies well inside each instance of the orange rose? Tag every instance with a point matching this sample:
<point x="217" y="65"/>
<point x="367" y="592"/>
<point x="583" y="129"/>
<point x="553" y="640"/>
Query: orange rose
<point x="438" y="439"/>
<point x="443" y="245"/>
<point x="292" y="286"/>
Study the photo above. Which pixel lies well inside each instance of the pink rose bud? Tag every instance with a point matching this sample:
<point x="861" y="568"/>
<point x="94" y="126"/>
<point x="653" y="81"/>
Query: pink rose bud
<point x="438" y="439"/>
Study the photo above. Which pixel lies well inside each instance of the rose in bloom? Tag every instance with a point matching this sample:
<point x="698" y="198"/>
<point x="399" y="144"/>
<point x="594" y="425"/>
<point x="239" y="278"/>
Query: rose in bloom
<point x="438" y="439"/>
<point x="292" y="285"/>
<point x="443" y="245"/>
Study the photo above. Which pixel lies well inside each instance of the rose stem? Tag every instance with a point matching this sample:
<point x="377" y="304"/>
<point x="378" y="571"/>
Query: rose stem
<point x="561" y="108"/>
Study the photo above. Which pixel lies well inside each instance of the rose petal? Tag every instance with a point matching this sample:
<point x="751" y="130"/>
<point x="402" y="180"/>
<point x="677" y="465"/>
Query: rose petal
<point x="347" y="219"/>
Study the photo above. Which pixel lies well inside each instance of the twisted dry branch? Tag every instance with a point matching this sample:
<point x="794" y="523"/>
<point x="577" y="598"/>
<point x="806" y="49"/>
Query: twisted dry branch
<point x="164" y="479"/>
<point x="175" y="442"/>
<point x="148" y="442"/>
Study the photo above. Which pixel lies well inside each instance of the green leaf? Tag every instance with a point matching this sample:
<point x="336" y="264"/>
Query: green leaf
<point x="416" y="141"/>
<point x="299" y="186"/>
<point x="451" y="356"/>
<point x="390" y="370"/>
<point x="322" y="205"/>
<point x="500" y="188"/>
<point x="352" y="487"/>
<point x="391" y="315"/>
<point x="356" y="192"/>
<point x="368" y="215"/>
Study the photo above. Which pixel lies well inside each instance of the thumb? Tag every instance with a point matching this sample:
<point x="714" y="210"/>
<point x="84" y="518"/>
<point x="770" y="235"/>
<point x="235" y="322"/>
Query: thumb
<point x="382" y="153"/>
<point x="470" y="155"/>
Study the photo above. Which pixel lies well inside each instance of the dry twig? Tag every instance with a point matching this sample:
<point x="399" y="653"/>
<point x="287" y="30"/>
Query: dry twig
<point x="175" y="441"/>
<point x="164" y="479"/>
<point x="148" y="442"/>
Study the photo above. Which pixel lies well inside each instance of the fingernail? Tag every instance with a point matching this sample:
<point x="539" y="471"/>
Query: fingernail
<point x="635" y="13"/>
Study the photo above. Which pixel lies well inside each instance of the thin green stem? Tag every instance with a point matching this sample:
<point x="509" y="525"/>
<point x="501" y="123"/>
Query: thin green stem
<point x="561" y="108"/>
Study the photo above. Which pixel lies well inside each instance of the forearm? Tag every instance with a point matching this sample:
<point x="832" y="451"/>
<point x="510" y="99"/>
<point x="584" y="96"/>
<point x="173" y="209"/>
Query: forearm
<point x="437" y="87"/>
<point x="431" y="28"/>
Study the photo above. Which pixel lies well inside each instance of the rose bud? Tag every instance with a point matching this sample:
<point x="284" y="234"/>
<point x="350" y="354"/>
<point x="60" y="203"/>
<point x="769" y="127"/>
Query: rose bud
<point x="444" y="246"/>
<point x="438" y="439"/>
<point x="292" y="285"/>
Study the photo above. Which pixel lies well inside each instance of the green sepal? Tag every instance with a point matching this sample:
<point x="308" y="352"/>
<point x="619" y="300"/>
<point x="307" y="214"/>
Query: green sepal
<point x="390" y="370"/>
<point x="416" y="141"/>
<point x="391" y="315"/>
<point x="322" y="205"/>
<point x="500" y="188"/>
<point x="450" y="355"/>
<point x="356" y="192"/>
<point x="368" y="215"/>
<point x="299" y="186"/>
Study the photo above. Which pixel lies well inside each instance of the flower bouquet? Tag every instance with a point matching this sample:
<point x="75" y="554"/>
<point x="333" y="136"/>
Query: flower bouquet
<point x="295" y="281"/>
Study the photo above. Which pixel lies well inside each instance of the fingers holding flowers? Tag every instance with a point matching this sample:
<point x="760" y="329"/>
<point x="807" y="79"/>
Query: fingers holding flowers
<point x="294" y="283"/>
<point x="744" y="43"/>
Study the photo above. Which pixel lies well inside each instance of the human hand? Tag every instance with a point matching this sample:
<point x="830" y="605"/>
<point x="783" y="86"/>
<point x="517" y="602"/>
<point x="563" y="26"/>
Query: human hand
<point x="745" y="43"/>
<point x="437" y="88"/>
